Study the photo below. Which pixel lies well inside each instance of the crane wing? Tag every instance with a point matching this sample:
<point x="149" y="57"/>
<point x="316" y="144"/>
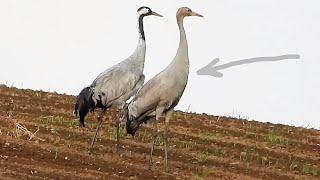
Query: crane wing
<point x="116" y="85"/>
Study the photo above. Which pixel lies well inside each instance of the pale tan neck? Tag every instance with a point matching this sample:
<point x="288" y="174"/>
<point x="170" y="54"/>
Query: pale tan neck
<point x="182" y="53"/>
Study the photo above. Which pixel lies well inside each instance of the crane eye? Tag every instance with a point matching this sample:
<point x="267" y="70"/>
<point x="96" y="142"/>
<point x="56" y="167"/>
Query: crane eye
<point x="189" y="10"/>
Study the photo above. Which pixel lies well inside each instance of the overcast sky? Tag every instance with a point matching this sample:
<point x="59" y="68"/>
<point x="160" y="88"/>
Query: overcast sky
<point x="62" y="45"/>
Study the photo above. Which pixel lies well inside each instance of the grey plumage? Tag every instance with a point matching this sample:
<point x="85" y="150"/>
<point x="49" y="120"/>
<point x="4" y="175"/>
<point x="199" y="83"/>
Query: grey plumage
<point x="114" y="86"/>
<point x="166" y="88"/>
<point x="162" y="93"/>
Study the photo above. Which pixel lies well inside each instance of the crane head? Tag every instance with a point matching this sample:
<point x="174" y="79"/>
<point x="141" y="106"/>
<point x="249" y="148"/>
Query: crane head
<point x="132" y="127"/>
<point x="146" y="11"/>
<point x="185" y="11"/>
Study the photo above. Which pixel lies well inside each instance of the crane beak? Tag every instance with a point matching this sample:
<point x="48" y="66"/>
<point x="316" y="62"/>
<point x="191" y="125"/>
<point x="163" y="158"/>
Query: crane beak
<point x="196" y="14"/>
<point x="156" y="14"/>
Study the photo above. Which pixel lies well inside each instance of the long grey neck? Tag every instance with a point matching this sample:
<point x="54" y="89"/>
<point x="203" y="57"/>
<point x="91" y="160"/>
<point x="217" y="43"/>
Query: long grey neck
<point x="138" y="56"/>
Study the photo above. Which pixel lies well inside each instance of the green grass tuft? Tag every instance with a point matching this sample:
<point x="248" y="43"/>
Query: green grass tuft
<point x="308" y="169"/>
<point x="59" y="120"/>
<point x="206" y="136"/>
<point x="202" y="175"/>
<point x="273" y="138"/>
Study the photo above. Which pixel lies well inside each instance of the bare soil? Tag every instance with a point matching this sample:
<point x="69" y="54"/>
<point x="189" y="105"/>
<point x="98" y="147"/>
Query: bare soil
<point x="201" y="146"/>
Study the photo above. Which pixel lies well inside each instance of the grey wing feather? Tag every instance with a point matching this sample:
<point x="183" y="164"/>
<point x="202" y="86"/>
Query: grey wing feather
<point x="136" y="87"/>
<point x="106" y="75"/>
<point x="146" y="99"/>
<point x="115" y="85"/>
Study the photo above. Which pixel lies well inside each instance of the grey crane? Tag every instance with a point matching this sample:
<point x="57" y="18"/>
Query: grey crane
<point x="114" y="86"/>
<point x="162" y="93"/>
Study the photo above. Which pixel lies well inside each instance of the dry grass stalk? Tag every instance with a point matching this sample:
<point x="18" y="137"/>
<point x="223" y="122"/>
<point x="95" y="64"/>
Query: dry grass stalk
<point x="186" y="112"/>
<point x="22" y="130"/>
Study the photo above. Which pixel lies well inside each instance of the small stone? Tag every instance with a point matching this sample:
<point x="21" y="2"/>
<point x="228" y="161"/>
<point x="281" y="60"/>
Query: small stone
<point x="235" y="163"/>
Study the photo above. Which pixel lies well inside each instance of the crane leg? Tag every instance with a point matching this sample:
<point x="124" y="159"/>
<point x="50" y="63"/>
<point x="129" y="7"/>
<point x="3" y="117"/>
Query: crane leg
<point x="154" y="137"/>
<point x="165" y="136"/>
<point x="159" y="112"/>
<point x="100" y="118"/>
<point x="118" y="132"/>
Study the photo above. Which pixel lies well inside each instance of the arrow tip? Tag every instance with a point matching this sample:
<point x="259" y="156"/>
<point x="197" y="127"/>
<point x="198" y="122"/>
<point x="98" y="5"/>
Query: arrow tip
<point x="216" y="74"/>
<point x="209" y="70"/>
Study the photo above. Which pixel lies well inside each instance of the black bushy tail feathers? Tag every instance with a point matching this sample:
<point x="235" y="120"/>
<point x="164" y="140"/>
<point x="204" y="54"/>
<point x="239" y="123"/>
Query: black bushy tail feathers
<point x="84" y="104"/>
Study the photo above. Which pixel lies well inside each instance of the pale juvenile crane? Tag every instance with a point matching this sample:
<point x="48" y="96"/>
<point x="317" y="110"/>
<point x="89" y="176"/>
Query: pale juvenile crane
<point x="162" y="93"/>
<point x="114" y="86"/>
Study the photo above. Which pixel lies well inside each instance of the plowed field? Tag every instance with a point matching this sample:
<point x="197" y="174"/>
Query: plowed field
<point x="41" y="139"/>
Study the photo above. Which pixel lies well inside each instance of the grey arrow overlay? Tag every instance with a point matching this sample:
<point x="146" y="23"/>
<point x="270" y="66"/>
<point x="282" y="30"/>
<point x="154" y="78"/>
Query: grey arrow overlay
<point x="212" y="70"/>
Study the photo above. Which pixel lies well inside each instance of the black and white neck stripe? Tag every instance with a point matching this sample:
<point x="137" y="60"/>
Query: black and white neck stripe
<point x="141" y="30"/>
